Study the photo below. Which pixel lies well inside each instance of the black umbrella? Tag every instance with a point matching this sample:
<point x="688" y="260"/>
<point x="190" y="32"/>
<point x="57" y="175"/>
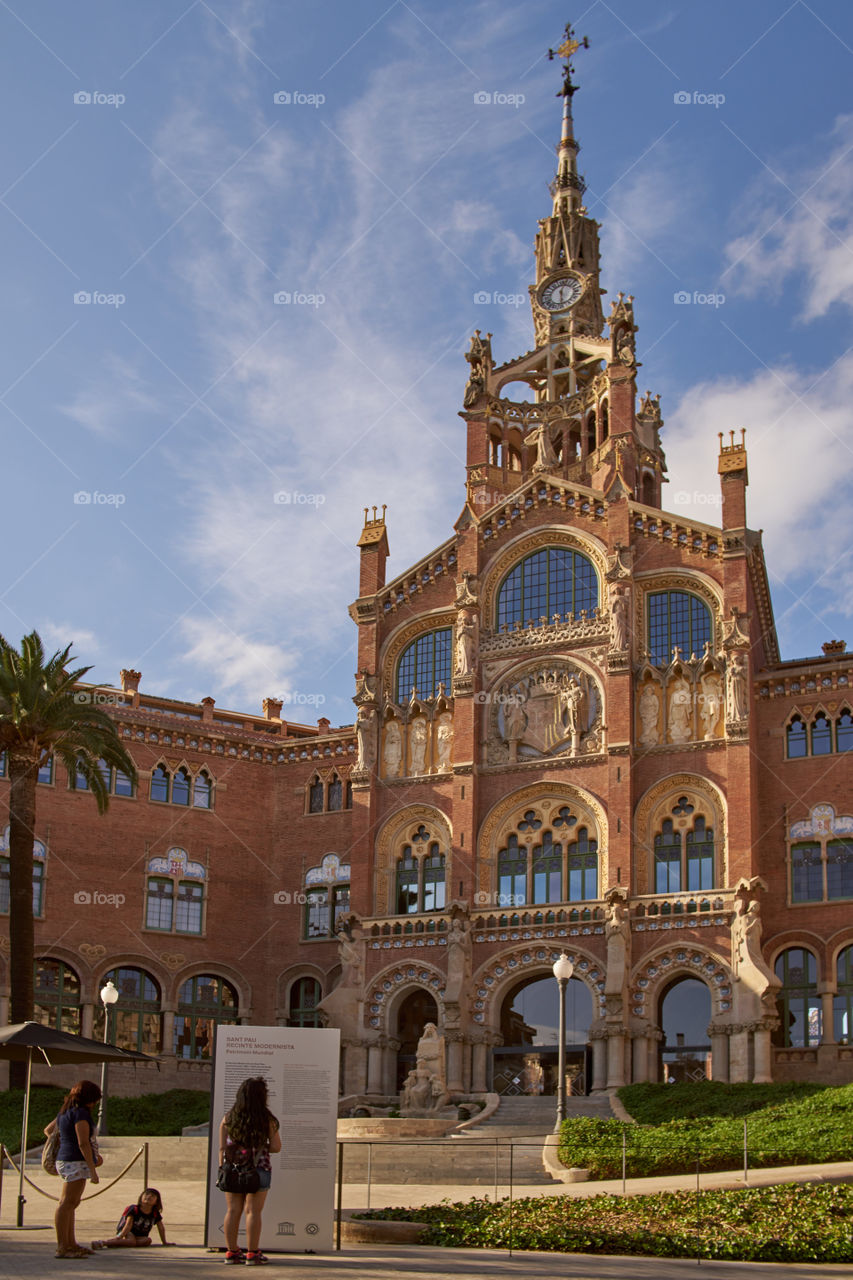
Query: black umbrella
<point x="24" y="1040"/>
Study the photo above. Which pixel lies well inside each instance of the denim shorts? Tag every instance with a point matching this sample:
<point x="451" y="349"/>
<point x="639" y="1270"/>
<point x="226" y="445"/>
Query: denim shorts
<point x="265" y="1176"/>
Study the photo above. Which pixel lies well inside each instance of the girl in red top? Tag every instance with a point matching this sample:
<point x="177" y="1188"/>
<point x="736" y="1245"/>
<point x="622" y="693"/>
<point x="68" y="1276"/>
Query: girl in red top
<point x="136" y="1223"/>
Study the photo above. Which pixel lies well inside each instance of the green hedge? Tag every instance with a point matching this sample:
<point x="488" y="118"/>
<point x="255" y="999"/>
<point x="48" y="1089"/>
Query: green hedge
<point x="153" y="1115"/>
<point x="810" y="1127"/>
<point x="768" y="1224"/>
<point x="659" y="1103"/>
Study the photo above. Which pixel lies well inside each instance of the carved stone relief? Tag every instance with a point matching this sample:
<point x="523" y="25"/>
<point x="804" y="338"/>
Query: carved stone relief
<point x="547" y="710"/>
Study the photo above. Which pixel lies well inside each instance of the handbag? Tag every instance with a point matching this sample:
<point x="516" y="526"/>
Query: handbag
<point x="239" y="1179"/>
<point x="49" y="1153"/>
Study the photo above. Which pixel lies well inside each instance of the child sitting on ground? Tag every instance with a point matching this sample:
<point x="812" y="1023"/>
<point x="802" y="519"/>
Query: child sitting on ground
<point x="134" y="1226"/>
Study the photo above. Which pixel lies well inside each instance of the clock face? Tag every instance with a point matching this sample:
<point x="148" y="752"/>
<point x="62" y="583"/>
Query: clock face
<point x="561" y="294"/>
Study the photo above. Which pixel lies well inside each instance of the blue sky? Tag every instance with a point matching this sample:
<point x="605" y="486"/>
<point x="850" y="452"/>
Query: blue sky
<point x="382" y="197"/>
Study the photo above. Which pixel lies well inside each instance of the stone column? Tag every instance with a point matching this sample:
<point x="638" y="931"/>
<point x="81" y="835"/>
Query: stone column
<point x="479" y="1062"/>
<point x="763" y="1069"/>
<point x="653" y="1039"/>
<point x="389" y="1080"/>
<point x="640" y="1046"/>
<point x="87" y="1019"/>
<point x="719" y="1055"/>
<point x="827" y="1016"/>
<point x="374" y="1068"/>
<point x="355" y="1067"/>
<point x="168" y="1045"/>
<point x="453" y="1040"/>
<point x="599" y="1063"/>
<point x="739" y="1054"/>
<point x="615" y="1058"/>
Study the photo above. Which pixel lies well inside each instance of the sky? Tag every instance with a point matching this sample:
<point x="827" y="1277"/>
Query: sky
<point x="243" y="244"/>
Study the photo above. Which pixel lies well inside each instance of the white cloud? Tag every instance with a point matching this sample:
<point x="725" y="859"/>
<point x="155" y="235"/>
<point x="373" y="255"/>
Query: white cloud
<point x="85" y="645"/>
<point x="104" y="404"/>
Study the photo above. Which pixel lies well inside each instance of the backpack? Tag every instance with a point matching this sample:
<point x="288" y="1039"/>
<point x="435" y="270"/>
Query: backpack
<point x="49" y="1153"/>
<point x="238" y="1173"/>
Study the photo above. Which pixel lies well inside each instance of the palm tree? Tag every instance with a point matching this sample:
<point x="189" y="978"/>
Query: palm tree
<point x="44" y="714"/>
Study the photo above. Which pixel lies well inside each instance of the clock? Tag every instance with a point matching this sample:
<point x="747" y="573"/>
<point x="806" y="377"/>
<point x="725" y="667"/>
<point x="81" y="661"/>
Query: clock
<point x="561" y="294"/>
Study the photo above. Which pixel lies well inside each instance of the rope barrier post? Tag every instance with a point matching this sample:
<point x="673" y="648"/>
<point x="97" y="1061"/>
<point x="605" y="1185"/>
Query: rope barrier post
<point x="496" y="1170"/>
<point x="745" y="1156"/>
<point x="369" y="1169"/>
<point x="2" y="1163"/>
<point x="698" y="1219"/>
<point x="145" y="1165"/>
<point x="511" y="1221"/>
<point x="340" y="1195"/>
<point x="624" y="1157"/>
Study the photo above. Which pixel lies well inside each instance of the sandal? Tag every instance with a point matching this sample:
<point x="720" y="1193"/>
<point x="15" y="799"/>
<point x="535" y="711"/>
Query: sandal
<point x="79" y="1252"/>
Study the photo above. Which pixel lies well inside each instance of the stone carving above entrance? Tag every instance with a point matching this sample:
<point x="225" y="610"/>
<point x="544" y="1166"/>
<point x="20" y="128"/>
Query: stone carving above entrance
<point x="547" y="709"/>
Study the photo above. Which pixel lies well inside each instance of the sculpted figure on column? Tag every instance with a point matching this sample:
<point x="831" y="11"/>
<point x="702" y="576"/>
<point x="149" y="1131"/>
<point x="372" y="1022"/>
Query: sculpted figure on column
<point x="418" y="745"/>
<point x="458" y="959"/>
<point x="619" y="607"/>
<point x="736" y="708"/>
<point x="393" y="753"/>
<point x="649" y="716"/>
<point x="617" y="931"/>
<point x="365" y="732"/>
<point x="444" y="736"/>
<point x="464" y="645"/>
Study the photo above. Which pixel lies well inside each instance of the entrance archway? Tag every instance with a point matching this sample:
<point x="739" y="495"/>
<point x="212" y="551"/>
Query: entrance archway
<point x="685" y="1011"/>
<point x="526" y="1062"/>
<point x="414" y="1012"/>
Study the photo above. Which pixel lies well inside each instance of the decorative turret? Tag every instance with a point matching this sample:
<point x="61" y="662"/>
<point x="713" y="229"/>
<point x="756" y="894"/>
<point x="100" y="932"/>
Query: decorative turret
<point x="374" y="553"/>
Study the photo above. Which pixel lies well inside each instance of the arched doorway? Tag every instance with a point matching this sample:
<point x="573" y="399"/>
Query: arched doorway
<point x="685" y="1011"/>
<point x="526" y="1062"/>
<point x="414" y="1012"/>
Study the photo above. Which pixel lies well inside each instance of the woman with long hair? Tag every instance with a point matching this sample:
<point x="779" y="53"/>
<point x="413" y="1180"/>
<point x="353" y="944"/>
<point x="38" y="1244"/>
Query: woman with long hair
<point x="247" y="1135"/>
<point x="76" y="1160"/>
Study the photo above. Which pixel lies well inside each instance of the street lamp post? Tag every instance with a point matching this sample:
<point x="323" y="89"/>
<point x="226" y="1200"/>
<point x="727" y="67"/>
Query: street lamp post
<point x="109" y="996"/>
<point x="563" y="970"/>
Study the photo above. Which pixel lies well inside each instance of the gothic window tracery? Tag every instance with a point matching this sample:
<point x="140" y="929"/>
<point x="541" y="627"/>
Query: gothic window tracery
<point x="172" y="788"/>
<point x="821" y="736"/>
<point x="326" y="897"/>
<point x="204" y="1003"/>
<point x="798" y="1001"/>
<point x="820" y="852"/>
<point x="57" y="995"/>
<point x="424" y="664"/>
<point x="676" y="618"/>
<point x="329" y="795"/>
<point x="174" y="898"/>
<point x="420" y="875"/>
<point x="544" y="861"/>
<point x="844" y="732"/>
<point x="797" y="742"/>
<point x="136" y="1020"/>
<point x="842" y="1004"/>
<point x="553" y="580"/>
<point x="684" y="850"/>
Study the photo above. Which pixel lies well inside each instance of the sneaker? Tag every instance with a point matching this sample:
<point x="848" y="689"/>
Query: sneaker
<point x="235" y="1255"/>
<point x="256" y="1259"/>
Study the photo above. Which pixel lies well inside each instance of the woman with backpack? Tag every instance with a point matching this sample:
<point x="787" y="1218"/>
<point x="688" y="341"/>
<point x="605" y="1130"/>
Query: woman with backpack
<point x="76" y="1160"/>
<point x="247" y="1136"/>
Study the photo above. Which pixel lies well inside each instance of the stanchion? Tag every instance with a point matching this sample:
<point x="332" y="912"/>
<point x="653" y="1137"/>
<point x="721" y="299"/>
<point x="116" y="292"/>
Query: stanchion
<point x="369" y="1169"/>
<point x="340" y="1194"/>
<point x="624" y="1157"/>
<point x="511" y="1221"/>
<point x="745" y="1156"/>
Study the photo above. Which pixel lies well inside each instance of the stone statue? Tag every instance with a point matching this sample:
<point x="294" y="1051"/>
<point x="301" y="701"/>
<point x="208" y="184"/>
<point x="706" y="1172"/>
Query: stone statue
<point x="458" y="959"/>
<point x="344" y="1005"/>
<point x="619" y="619"/>
<point x="430" y="1051"/>
<point x="418" y="745"/>
<point x="365" y="732"/>
<point x="464" y="645"/>
<point x="649" y="716"/>
<point x="425" y="1089"/>
<point x="479" y="358"/>
<point x="617" y="931"/>
<point x="540" y="439"/>
<point x="393" y="753"/>
<point x="758" y="981"/>
<point x="445" y="741"/>
<point x="352" y="956"/>
<point x="515" y="721"/>
<point x="710" y="703"/>
<point x="679" y="711"/>
<point x="571" y="697"/>
<point x="736" y="708"/>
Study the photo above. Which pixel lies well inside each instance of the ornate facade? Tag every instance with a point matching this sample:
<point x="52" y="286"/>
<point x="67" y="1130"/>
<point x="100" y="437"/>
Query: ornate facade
<point x="573" y="732"/>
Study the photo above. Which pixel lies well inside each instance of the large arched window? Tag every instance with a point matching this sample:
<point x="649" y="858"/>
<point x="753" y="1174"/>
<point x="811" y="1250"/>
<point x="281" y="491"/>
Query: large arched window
<point x="39" y="854"/>
<point x="135" y="1020"/>
<point x="798" y="1000"/>
<point x="326" y="898"/>
<point x="554" y="580"/>
<point x="425" y="664"/>
<point x="204" y="1003"/>
<point x="174" y="899"/>
<point x="797" y="740"/>
<point x="821" y="856"/>
<point x="677" y="618"/>
<point x="420" y="880"/>
<point x="302" y="1006"/>
<point x="821" y="735"/>
<point x="684" y="851"/>
<point x="545" y="860"/>
<point x="843" y="1000"/>
<point x="57" y="996"/>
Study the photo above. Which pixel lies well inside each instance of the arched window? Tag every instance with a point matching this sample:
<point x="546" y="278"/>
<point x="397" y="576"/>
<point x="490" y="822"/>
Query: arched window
<point x="554" y="580"/>
<point x="806" y="873"/>
<point x="684" y="854"/>
<point x="45" y="774"/>
<point x="174" y="901"/>
<point x="677" y="618"/>
<point x="821" y="736"/>
<point x="302" y="1010"/>
<point x="326" y="898"/>
<point x="798" y="1000"/>
<point x="424" y="664"/>
<point x="39" y="854"/>
<point x="159" y="785"/>
<point x="839" y="869"/>
<point x="316" y="796"/>
<point x="204" y="1003"/>
<point x="548" y="860"/>
<point x="57" y="996"/>
<point x="420" y="880"/>
<point x="181" y="787"/>
<point x="336" y="794"/>
<point x="648" y="489"/>
<point x="797" y="742"/>
<point x="202" y="791"/>
<point x="135" y="1020"/>
<point x="842" y="1004"/>
<point x="844" y="732"/>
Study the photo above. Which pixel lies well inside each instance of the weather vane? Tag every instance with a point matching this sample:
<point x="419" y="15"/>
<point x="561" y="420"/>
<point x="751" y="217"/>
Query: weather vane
<point x="566" y="50"/>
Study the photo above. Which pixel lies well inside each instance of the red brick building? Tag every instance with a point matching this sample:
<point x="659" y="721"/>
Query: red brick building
<point x="574" y="732"/>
